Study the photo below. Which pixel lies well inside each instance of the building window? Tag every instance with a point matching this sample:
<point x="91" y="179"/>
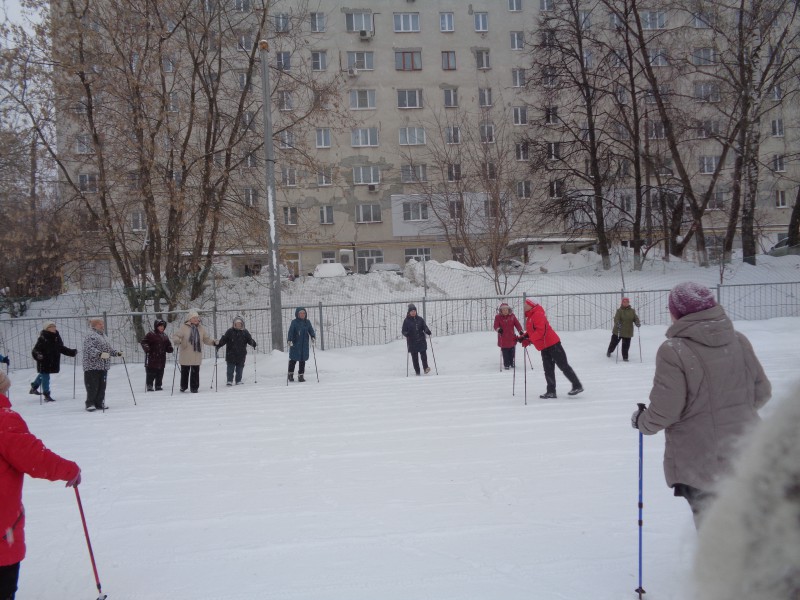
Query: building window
<point x="87" y="183"/>
<point x="289" y="176"/>
<point x="138" y="221"/>
<point x="283" y="61"/>
<point x="408" y="61"/>
<point x="415" y="211"/>
<point x="454" y="172"/>
<point x="249" y="121"/>
<point x="319" y="60"/>
<point x="358" y="21"/>
<point x="708" y="164"/>
<point x="515" y="5"/>
<point x="656" y="130"/>
<point x="452" y="135"/>
<point x="412" y="136"/>
<point x="245" y="43"/>
<point x="281" y="21"/>
<point x="168" y="63"/>
<point x="779" y="163"/>
<point x="549" y="77"/>
<point x="780" y="199"/>
<point x="556" y="188"/>
<point x="318" y="22"/>
<point x="326" y="215"/>
<point x="409" y="98"/>
<point x="244" y="81"/>
<point x="702" y="20"/>
<point x="285" y="101"/>
<point x="241" y="5"/>
<point x="325" y="176"/>
<point x="83" y="144"/>
<point x="717" y="201"/>
<point x="328" y="257"/>
<point x="456" y="208"/>
<point x="134" y="180"/>
<point x="551" y="115"/>
<point x="588" y="59"/>
<point x="657" y="57"/>
<point x="367" y="258"/>
<point x="524" y="189"/>
<point x="585" y="20"/>
<point x="323" y="137"/>
<point x="363" y="61"/>
<point x="546" y="5"/>
<point x="653" y="19"/>
<point x="364" y="136"/>
<point x="777" y="127"/>
<point x="173" y="105"/>
<point x="703" y="57"/>
<point x="482" y="59"/>
<point x="521" y="151"/>
<point x="518" y="78"/>
<point x="418" y="254"/>
<point x="290" y="215"/>
<point x="520" y="115"/>
<point x="708" y="128"/>
<point x="413" y="173"/>
<point x="517" y="40"/>
<point x="553" y="150"/>
<point x="286" y="139"/>
<point x="366" y="175"/>
<point x="451" y="98"/>
<point x="481" y="21"/>
<point x="446" y="22"/>
<point x="250" y="197"/>
<point x="406" y="22"/>
<point x="484" y="96"/>
<point x="777" y="93"/>
<point x="449" y="60"/>
<point x="362" y="99"/>
<point x="706" y="91"/>
<point x="486" y="132"/>
<point x="368" y="213"/>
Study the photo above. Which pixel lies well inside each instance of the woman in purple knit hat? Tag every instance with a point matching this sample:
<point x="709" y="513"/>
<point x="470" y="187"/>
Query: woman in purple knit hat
<point x="707" y="390"/>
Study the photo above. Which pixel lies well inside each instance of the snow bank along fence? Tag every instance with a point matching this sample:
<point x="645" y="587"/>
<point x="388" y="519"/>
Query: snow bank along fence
<point x="345" y="325"/>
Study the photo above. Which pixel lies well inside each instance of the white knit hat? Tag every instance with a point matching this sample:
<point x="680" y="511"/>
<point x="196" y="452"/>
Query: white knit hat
<point x="48" y="324"/>
<point x="193" y="312"/>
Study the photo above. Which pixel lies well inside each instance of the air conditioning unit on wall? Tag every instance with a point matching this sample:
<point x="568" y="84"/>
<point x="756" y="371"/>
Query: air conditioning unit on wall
<point x="372" y="187"/>
<point x="352" y="71"/>
<point x="364" y="35"/>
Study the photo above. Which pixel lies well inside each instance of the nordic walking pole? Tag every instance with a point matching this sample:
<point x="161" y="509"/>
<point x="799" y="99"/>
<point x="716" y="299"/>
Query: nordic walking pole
<point x="255" y="371"/>
<point x="129" y="378"/>
<point x="530" y="362"/>
<point x="433" y="354"/>
<point x="75" y="369"/>
<point x="640" y="589"/>
<point x="514" y="374"/>
<point x="525" y="377"/>
<point x="619" y="339"/>
<point x="640" y="344"/>
<point x="214" y="372"/>
<point x="314" y="353"/>
<point x="175" y="370"/>
<point x="102" y="596"/>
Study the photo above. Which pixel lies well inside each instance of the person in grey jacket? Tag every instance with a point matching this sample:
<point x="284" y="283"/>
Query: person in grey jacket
<point x="97" y="353"/>
<point x="707" y="389"/>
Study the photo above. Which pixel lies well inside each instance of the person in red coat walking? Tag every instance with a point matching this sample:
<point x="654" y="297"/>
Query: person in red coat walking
<point x="544" y="338"/>
<point x="21" y="453"/>
<point x="504" y="323"/>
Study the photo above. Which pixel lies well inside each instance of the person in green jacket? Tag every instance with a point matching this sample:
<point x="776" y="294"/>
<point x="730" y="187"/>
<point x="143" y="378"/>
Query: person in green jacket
<point x="624" y="320"/>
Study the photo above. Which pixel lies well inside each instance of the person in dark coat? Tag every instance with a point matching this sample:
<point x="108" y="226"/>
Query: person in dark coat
<point x="545" y="339"/>
<point x="237" y="338"/>
<point x="415" y="330"/>
<point x="505" y="321"/>
<point x="47" y="353"/>
<point x="156" y="346"/>
<point x="624" y="320"/>
<point x="301" y="335"/>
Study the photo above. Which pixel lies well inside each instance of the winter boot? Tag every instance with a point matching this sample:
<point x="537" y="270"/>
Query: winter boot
<point x="300" y="378"/>
<point x="548" y="395"/>
<point x="34" y="390"/>
<point x="291" y="376"/>
<point x="229" y="384"/>
<point x="576" y="390"/>
<point x="427" y="370"/>
<point x="159" y="388"/>
<point x="90" y="408"/>
<point x="240" y="383"/>
<point x="150" y="388"/>
<point x="48" y="397"/>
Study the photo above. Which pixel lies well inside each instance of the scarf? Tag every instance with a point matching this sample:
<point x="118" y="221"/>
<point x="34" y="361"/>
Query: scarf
<point x="194" y="338"/>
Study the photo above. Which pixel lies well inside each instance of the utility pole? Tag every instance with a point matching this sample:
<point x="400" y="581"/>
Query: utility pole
<point x="275" y="307"/>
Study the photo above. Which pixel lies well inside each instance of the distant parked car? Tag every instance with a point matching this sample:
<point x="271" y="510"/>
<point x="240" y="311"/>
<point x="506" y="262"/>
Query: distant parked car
<point x="329" y="270"/>
<point x="782" y="248"/>
<point x="508" y="265"/>
<point x="390" y="267"/>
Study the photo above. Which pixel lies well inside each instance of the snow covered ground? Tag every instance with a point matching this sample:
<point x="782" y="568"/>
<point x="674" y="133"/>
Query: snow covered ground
<point x="369" y="485"/>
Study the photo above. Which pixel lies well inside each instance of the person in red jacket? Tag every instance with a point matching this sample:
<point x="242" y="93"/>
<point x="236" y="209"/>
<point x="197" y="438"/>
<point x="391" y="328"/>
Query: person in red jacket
<point x="504" y="323"/>
<point x="21" y="453"/>
<point x="544" y="338"/>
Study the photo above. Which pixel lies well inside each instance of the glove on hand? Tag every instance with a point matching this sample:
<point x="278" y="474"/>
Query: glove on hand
<point x="525" y="342"/>
<point x="5" y="360"/>
<point x="500" y="330"/>
<point x="290" y="344"/>
<point x="635" y="416"/>
<point x="105" y="355"/>
<point x="120" y="353"/>
<point x="75" y="481"/>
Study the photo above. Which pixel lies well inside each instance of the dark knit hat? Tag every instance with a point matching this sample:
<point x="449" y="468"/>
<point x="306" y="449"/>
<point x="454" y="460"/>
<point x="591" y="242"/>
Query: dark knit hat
<point x="690" y="297"/>
<point x="411" y="307"/>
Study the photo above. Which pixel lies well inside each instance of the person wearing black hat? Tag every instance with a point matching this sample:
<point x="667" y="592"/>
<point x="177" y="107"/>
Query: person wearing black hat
<point x="156" y="346"/>
<point x="415" y="330"/>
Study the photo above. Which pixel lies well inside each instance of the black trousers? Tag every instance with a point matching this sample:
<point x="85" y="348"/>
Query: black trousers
<point x="698" y="500"/>
<point x="552" y="357"/>
<point x="508" y="357"/>
<point x="9" y="575"/>
<point x="626" y="345"/>
<point x="190" y="378"/>
<point x="235" y="368"/>
<point x="154" y="376"/>
<point x="415" y="360"/>
<point x="301" y="370"/>
<point x="95" y="382"/>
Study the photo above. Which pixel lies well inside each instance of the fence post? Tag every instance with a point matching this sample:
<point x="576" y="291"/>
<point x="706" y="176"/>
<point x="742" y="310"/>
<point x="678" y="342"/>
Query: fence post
<point x="424" y="310"/>
<point x="321" y="329"/>
<point x="719" y="293"/>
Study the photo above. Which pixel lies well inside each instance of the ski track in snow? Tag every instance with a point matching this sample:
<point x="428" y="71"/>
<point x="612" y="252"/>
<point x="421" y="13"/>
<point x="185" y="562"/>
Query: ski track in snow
<point x="369" y="485"/>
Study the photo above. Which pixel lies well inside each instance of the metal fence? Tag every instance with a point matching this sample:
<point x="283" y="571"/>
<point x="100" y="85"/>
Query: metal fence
<point x="346" y="325"/>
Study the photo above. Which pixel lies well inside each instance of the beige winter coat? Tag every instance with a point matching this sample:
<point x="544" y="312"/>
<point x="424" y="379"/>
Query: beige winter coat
<point x="188" y="356"/>
<point x="706" y="391"/>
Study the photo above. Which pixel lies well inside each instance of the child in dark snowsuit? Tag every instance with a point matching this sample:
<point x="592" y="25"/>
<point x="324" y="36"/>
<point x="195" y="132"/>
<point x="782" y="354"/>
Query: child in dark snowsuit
<point x="299" y="333"/>
<point x="47" y="354"/>
<point x="236" y="338"/>
<point x="415" y="330"/>
<point x="156" y="346"/>
<point x="505" y="321"/>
